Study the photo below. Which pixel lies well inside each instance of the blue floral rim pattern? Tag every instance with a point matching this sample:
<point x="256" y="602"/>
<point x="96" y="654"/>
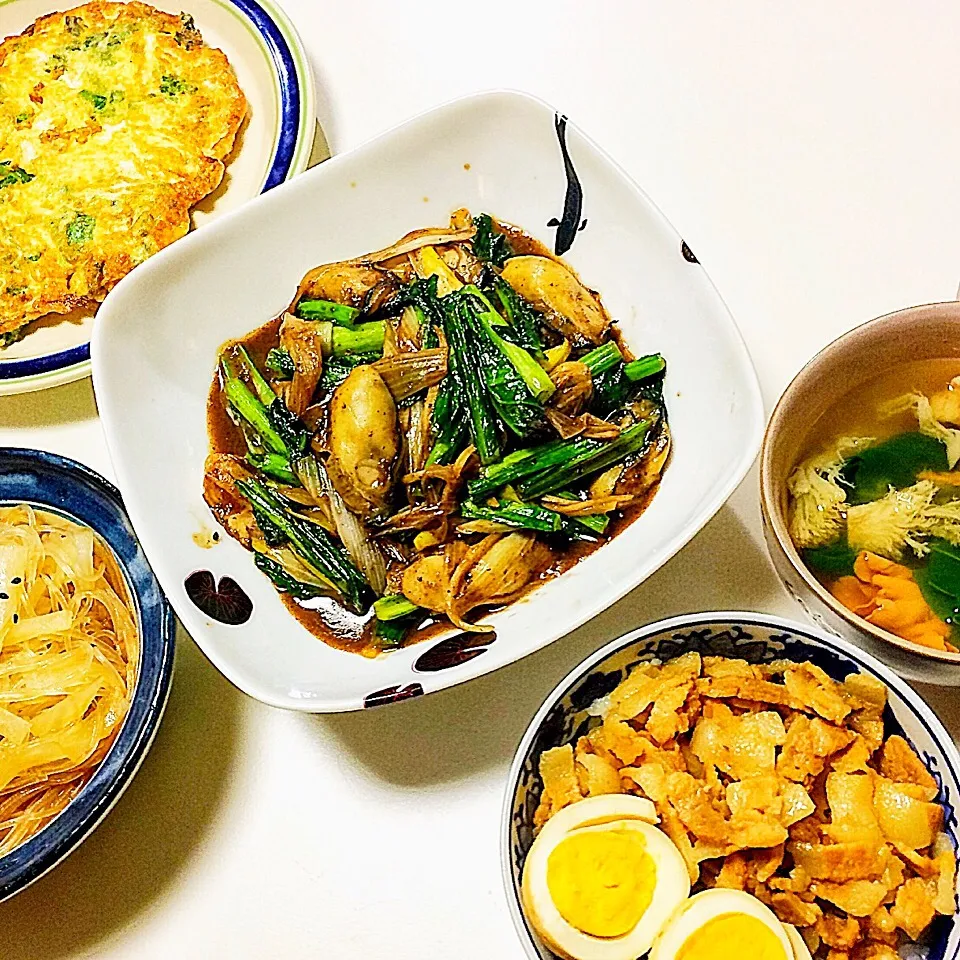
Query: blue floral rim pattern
<point x="290" y="105"/>
<point x="66" y="487"/>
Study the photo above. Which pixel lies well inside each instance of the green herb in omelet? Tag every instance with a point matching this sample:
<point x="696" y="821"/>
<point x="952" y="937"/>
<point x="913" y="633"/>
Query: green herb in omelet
<point x="12" y="336"/>
<point x="11" y="174"/>
<point x="34" y="257"/>
<point x="173" y="86"/>
<point x="21" y="117"/>
<point x="99" y="101"/>
<point x="80" y="229"/>
<point x="107" y="38"/>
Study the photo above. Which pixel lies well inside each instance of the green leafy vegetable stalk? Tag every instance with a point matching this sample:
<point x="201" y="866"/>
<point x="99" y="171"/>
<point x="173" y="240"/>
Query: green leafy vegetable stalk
<point x="489" y="244"/>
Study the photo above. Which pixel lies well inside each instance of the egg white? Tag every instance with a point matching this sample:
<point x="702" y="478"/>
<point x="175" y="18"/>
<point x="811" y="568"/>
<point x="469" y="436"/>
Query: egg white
<point x="800" y="949"/>
<point x="613" y="811"/>
<point x="705" y="906"/>
<point x="593" y="810"/>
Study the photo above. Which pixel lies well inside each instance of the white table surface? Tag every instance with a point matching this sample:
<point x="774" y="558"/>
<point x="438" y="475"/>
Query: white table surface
<point x="808" y="153"/>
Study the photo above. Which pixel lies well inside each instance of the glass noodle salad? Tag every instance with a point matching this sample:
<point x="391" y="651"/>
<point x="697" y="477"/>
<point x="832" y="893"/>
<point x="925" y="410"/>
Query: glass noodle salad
<point x="69" y="650"/>
<point x="429" y="431"/>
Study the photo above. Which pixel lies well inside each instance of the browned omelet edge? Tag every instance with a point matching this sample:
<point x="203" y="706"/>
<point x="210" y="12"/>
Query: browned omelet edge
<point x="174" y="222"/>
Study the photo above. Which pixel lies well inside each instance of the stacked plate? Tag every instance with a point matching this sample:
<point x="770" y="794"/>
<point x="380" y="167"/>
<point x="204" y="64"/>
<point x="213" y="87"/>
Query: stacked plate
<point x="275" y="144"/>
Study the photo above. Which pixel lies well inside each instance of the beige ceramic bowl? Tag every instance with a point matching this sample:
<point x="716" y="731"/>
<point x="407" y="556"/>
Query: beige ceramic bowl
<point x="919" y="333"/>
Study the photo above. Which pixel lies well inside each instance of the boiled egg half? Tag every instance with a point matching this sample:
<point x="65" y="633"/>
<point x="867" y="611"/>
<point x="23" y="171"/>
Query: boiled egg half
<point x="722" y="924"/>
<point x="601" y="879"/>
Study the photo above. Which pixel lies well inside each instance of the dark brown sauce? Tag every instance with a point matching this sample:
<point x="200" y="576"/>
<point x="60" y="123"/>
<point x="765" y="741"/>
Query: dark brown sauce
<point x="523" y="244"/>
<point x="340" y="628"/>
<point x="324" y="617"/>
<point x="329" y="621"/>
<point x="224" y="434"/>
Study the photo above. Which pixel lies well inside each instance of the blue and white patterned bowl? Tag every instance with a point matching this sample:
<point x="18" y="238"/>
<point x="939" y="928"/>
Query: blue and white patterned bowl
<point x="750" y="636"/>
<point x="63" y="486"/>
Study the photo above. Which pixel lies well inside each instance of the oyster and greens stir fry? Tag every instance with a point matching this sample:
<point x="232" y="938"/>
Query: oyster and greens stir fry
<point x="429" y="431"/>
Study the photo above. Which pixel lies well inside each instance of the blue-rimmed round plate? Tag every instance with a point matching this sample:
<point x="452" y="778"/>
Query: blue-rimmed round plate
<point x="274" y="144"/>
<point x="63" y="486"/>
<point x="566" y="715"/>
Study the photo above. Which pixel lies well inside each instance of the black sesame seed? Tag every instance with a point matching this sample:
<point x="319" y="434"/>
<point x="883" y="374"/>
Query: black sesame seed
<point x="17" y="580"/>
<point x="16" y="617"/>
<point x="4" y="596"/>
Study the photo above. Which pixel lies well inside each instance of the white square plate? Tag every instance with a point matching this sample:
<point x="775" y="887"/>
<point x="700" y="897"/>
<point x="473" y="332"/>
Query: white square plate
<point x="157" y="336"/>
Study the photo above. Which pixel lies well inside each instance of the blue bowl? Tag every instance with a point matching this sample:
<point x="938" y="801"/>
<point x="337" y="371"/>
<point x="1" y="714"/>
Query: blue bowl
<point x="72" y="490"/>
<point x="756" y="638"/>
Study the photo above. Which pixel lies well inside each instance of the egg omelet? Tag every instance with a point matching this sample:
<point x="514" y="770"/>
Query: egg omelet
<point x="115" y="119"/>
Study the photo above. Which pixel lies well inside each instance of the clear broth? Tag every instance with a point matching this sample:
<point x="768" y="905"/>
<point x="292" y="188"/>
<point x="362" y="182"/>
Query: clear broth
<point x="856" y="414"/>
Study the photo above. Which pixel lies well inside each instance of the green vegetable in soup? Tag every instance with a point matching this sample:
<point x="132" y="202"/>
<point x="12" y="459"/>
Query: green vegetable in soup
<point x="896" y="462"/>
<point x="927" y="422"/>
<point x="943" y="568"/>
<point x="939" y="583"/>
<point x="833" y="560"/>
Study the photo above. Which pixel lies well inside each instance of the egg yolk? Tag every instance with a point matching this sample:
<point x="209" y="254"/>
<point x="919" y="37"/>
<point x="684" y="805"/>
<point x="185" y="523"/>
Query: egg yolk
<point x="732" y="936"/>
<point x="602" y="882"/>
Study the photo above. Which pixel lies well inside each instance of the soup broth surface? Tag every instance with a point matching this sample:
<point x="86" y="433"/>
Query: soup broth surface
<point x="891" y="564"/>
